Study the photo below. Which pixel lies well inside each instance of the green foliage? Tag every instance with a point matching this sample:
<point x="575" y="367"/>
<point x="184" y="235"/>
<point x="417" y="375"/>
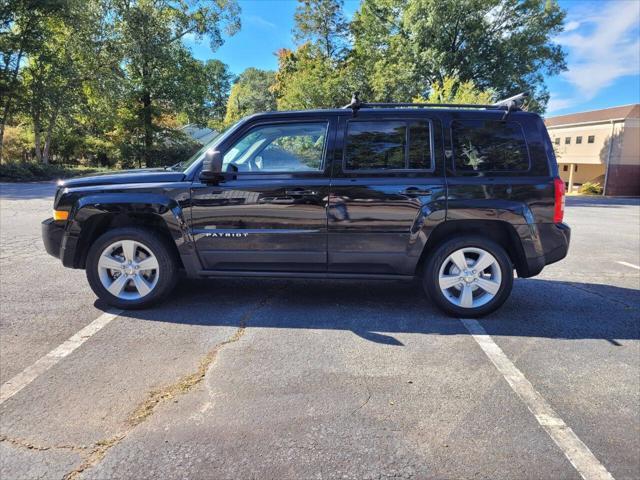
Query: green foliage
<point x="503" y="45"/>
<point x="589" y="188"/>
<point x="307" y="79"/>
<point x="21" y="171"/>
<point x="110" y="82"/>
<point x="96" y="78"/>
<point x="322" y="23"/>
<point x="251" y="93"/>
<point x="452" y="90"/>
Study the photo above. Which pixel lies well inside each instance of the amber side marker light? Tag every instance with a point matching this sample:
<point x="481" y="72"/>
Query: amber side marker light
<point x="60" y="214"/>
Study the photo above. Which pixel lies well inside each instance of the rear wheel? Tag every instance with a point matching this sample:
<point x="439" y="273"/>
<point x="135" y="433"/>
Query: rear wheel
<point x="131" y="267"/>
<point x="468" y="276"/>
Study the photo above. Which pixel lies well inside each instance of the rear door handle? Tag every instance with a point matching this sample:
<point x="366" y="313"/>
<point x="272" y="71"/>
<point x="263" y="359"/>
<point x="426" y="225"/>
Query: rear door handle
<point x="300" y="192"/>
<point x="416" y="191"/>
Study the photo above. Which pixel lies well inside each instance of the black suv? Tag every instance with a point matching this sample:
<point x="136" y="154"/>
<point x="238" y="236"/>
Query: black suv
<point x="457" y="196"/>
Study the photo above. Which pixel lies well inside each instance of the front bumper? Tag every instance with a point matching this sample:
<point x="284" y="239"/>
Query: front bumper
<point x="52" y="234"/>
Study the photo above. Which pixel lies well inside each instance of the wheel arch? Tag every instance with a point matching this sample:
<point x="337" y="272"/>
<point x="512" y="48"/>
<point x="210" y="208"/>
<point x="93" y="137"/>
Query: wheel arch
<point x="501" y="232"/>
<point x="92" y="217"/>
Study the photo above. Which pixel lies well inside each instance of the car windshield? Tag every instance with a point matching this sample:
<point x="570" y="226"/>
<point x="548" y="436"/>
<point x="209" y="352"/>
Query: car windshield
<point x="183" y="165"/>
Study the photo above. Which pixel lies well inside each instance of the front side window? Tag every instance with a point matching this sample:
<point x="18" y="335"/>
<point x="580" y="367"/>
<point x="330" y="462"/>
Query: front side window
<point x="489" y="146"/>
<point x="388" y="145"/>
<point x="279" y="147"/>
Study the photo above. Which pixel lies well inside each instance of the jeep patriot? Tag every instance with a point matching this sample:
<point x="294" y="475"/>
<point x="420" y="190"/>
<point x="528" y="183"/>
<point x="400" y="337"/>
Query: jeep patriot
<point x="458" y="196"/>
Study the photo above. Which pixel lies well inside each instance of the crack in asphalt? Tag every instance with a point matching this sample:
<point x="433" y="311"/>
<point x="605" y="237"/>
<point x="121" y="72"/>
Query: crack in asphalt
<point x="612" y="300"/>
<point x="145" y="409"/>
<point x="18" y="442"/>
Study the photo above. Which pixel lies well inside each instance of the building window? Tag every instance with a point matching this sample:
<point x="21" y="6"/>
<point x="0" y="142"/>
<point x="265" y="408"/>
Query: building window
<point x="591" y="139"/>
<point x="565" y="168"/>
<point x="578" y="139"/>
<point x="557" y="140"/>
<point x="567" y="140"/>
<point x="575" y="168"/>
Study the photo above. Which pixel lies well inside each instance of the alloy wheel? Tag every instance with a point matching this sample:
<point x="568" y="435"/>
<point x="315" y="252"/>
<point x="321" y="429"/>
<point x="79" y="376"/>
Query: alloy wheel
<point x="128" y="269"/>
<point x="470" y="277"/>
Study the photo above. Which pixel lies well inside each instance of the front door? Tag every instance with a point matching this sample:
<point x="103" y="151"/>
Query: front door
<point x="387" y="192"/>
<point x="268" y="213"/>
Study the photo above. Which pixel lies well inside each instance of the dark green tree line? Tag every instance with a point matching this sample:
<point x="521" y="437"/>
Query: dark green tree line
<point x="112" y="81"/>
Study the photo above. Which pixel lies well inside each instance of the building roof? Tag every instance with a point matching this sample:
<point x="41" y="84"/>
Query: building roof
<point x="603" y="115"/>
<point x="199" y="134"/>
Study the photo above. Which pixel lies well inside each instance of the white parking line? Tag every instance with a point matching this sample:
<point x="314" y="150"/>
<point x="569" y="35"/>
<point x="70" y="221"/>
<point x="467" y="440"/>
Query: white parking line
<point x="582" y="459"/>
<point x="627" y="264"/>
<point x="29" y="374"/>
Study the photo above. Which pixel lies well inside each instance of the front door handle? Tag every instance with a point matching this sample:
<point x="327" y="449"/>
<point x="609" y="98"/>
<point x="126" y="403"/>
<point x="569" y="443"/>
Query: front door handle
<point x="300" y="192"/>
<point x="416" y="191"/>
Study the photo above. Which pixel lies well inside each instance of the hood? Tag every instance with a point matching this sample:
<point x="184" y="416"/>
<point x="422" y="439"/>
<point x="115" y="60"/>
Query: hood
<point x="144" y="175"/>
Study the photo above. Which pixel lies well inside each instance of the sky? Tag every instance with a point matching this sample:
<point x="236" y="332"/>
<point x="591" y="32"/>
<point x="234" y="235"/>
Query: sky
<point x="601" y="39"/>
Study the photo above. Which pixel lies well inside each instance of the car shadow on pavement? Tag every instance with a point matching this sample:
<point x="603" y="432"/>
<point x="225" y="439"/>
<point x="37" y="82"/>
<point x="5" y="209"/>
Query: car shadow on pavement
<point x="375" y="311"/>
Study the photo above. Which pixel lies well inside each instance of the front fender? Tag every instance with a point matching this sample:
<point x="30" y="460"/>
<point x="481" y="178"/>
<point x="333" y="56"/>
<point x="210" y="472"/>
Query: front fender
<point x="89" y="212"/>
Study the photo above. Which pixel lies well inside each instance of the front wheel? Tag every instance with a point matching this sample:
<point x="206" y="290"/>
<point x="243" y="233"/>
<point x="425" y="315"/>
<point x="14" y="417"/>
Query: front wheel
<point x="468" y="276"/>
<point x="131" y="268"/>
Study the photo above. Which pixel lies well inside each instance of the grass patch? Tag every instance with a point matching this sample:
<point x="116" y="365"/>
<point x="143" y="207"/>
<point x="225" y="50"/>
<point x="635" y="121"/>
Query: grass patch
<point x="31" y="171"/>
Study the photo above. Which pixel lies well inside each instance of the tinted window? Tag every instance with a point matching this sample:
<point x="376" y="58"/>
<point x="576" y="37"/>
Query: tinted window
<point x="382" y="145"/>
<point x="419" y="146"/>
<point x="290" y="147"/>
<point x="489" y="146"/>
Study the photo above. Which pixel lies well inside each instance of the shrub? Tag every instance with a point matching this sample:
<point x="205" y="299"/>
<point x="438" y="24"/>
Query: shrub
<point x="589" y="188"/>
<point x="32" y="171"/>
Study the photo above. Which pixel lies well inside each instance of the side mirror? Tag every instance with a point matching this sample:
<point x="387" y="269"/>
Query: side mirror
<point x="211" y="166"/>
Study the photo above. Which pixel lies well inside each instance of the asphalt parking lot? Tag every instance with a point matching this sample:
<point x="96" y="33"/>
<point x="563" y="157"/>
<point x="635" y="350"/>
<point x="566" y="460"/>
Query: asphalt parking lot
<point x="320" y="379"/>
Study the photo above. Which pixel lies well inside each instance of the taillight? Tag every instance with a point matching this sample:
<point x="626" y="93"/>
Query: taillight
<point x="558" y="209"/>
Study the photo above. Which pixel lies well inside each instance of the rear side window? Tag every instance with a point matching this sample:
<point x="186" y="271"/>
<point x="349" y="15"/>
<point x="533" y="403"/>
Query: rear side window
<point x="388" y="145"/>
<point x="489" y="146"/>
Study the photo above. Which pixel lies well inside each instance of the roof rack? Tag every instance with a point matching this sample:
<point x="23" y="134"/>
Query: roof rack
<point x="508" y="104"/>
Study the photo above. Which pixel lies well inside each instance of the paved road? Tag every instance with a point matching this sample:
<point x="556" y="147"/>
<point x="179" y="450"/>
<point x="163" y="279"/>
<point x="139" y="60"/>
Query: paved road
<point x="319" y="379"/>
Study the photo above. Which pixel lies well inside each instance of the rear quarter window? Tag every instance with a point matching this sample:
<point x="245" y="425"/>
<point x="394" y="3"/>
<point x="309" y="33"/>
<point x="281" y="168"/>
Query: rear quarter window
<point x="489" y="146"/>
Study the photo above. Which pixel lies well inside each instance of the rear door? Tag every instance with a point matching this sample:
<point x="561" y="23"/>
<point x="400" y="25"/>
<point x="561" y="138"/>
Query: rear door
<point x="268" y="212"/>
<point x="387" y="192"/>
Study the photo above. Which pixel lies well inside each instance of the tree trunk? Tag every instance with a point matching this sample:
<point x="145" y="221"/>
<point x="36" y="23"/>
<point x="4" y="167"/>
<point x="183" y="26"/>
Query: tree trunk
<point x="38" y="140"/>
<point x="7" y="99"/>
<point x="148" y="128"/>
<point x="47" y="141"/>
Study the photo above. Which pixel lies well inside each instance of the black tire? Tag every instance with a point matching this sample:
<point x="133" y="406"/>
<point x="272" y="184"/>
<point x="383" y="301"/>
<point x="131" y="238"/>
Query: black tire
<point x="167" y="266"/>
<point x="434" y="262"/>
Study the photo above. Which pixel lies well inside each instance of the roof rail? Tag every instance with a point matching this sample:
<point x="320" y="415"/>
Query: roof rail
<point x="508" y="104"/>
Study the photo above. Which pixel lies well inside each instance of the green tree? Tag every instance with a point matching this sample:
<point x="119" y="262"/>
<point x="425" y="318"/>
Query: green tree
<point x="307" y="79"/>
<point x="504" y="45"/>
<point x="452" y="90"/>
<point x="251" y="93"/>
<point x="57" y="74"/>
<point x="21" y="34"/>
<point x="322" y="23"/>
<point x="315" y="75"/>
<point x="159" y="70"/>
